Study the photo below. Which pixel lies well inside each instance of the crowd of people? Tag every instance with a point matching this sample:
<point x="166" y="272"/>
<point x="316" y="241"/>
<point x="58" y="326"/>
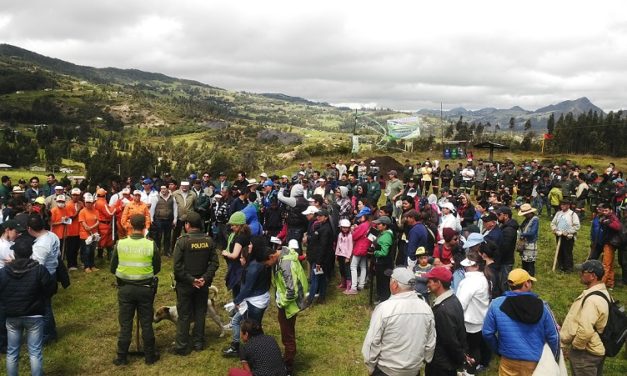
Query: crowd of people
<point x="435" y="246"/>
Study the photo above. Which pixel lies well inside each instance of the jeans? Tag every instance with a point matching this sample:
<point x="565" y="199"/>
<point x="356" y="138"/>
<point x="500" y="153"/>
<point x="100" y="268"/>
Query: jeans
<point x="163" y="231"/>
<point x="72" y="247"/>
<point x="87" y="254"/>
<point x="34" y="328"/>
<point x="252" y="313"/>
<point x="360" y="262"/>
<point x="318" y="284"/>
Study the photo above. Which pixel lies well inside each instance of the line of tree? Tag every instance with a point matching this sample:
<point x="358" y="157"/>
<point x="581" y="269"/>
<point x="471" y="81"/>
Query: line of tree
<point x="588" y="133"/>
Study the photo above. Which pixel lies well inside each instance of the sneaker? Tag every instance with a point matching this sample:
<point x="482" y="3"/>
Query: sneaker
<point x="231" y="352"/>
<point x="87" y="270"/>
<point x="151" y="359"/>
<point x="72" y="268"/>
<point x="180" y="352"/>
<point x="120" y="361"/>
<point x="94" y="269"/>
<point x="350" y="292"/>
<point x="227" y="326"/>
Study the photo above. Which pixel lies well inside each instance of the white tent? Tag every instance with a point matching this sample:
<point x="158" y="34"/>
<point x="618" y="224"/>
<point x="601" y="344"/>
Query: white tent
<point x="4" y="165"/>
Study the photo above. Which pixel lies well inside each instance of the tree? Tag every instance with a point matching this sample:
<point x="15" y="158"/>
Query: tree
<point x="550" y="124"/>
<point x="527" y="125"/>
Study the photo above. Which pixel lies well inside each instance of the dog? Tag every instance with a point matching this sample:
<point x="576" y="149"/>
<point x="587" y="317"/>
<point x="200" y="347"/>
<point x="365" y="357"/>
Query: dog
<point x="170" y="313"/>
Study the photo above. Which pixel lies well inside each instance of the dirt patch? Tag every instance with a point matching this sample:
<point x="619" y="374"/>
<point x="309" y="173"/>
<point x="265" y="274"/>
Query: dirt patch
<point x="386" y="163"/>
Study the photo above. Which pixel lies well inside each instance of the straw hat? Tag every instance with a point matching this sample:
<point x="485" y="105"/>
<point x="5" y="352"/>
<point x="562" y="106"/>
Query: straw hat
<point x="526" y="209"/>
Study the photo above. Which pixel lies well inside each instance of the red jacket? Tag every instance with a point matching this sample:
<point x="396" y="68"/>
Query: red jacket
<point x="361" y="243"/>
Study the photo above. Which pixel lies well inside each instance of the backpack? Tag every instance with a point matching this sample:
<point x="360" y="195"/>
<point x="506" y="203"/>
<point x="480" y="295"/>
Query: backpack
<point x="615" y="332"/>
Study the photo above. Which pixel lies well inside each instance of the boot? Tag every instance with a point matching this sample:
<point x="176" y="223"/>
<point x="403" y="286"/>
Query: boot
<point x="342" y="284"/>
<point x="121" y="360"/>
<point x="232" y="351"/>
<point x="151" y="358"/>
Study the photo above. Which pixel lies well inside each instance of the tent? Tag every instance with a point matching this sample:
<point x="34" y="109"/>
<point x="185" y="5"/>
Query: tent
<point x="491" y="145"/>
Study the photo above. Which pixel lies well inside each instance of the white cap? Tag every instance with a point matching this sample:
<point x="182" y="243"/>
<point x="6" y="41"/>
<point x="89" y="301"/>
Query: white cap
<point x="467" y="262"/>
<point x="75" y="191"/>
<point x="284" y="177"/>
<point x="137" y="192"/>
<point x="252" y="182"/>
<point x="321" y="180"/>
<point x="58" y="187"/>
<point x="126" y="191"/>
<point x="217" y="196"/>
<point x="184" y="182"/>
<point x="373" y="161"/>
<point x="60" y="198"/>
<point x="292" y="244"/>
<point x="263" y="175"/>
<point x="88" y="197"/>
<point x="311" y="210"/>
<point x="301" y="173"/>
<point x="345" y="223"/>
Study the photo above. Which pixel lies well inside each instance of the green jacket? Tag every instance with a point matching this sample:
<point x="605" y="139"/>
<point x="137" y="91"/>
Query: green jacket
<point x="384" y="242"/>
<point x="290" y="281"/>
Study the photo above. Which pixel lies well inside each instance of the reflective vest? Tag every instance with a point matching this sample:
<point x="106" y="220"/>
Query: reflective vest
<point x="135" y="259"/>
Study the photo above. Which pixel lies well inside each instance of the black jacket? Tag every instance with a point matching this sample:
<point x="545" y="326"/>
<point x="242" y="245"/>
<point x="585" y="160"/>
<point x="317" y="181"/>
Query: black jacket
<point x="24" y="286"/>
<point x="320" y="244"/>
<point x="450" y="345"/>
<point x="508" y="245"/>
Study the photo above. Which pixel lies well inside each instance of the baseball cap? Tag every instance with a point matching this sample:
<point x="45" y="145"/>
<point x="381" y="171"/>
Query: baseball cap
<point x="467" y="262"/>
<point x="252" y="182"/>
<point x="137" y="192"/>
<point x="440" y="273"/>
<point x="18" y="189"/>
<point x="292" y="244"/>
<point x="593" y="266"/>
<point x="284" y="177"/>
<point x="421" y="251"/>
<point x="365" y="211"/>
<point x="488" y="217"/>
<point x="263" y="175"/>
<point x="519" y="276"/>
<point x="58" y="187"/>
<point x="126" y="191"/>
<point x="383" y="220"/>
<point x="393" y="173"/>
<point x="13" y="225"/>
<point x="473" y="239"/>
<point x="268" y="183"/>
<point x="88" y="197"/>
<point x="504" y="210"/>
<point x="40" y="200"/>
<point x="75" y="191"/>
<point x="60" y="198"/>
<point x="345" y="223"/>
<point x="402" y="275"/>
<point x="323" y="212"/>
<point x="310" y="210"/>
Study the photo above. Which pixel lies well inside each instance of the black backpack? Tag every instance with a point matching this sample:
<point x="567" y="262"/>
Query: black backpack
<point x="615" y="332"/>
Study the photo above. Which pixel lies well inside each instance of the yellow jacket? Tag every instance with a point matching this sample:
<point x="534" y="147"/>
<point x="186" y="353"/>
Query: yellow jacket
<point x="581" y="324"/>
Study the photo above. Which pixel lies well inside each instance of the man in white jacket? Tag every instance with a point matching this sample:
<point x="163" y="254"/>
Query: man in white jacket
<point x="401" y="336"/>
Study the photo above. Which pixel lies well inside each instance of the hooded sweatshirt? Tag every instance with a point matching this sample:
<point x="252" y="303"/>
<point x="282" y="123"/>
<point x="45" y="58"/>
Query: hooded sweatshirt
<point x="296" y="205"/>
<point x="24" y="285"/>
<point x="346" y="207"/>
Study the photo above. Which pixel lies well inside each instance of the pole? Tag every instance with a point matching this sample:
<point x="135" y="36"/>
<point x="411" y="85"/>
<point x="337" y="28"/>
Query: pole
<point x="557" y="250"/>
<point x="442" y="126"/>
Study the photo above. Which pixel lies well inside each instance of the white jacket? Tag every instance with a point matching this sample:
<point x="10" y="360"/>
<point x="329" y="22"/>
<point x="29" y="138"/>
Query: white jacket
<point x="474" y="295"/>
<point x="401" y="336"/>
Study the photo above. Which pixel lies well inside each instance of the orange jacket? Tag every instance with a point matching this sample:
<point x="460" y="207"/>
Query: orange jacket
<point x="131" y="209"/>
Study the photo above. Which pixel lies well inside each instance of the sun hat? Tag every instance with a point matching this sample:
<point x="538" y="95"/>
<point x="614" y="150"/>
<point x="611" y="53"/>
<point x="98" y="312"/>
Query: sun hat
<point x="526" y="209"/>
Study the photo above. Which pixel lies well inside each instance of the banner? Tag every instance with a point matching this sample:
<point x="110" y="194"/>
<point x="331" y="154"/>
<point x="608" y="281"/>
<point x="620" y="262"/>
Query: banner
<point x="355" y="145"/>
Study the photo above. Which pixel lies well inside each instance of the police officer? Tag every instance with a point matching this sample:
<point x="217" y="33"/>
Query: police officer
<point x="135" y="262"/>
<point x="195" y="264"/>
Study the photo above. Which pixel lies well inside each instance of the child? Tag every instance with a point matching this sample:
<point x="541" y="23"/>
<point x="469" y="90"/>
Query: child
<point x="343" y="252"/>
<point x="422" y="267"/>
<point x="261" y="353"/>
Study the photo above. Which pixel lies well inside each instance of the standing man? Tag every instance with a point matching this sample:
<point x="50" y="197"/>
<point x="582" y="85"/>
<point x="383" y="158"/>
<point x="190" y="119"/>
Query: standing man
<point x="587" y="317"/>
<point x="450" y="344"/>
<point x="290" y="281"/>
<point x="34" y="191"/>
<point x="393" y="190"/>
<point x="509" y="229"/>
<point x="46" y="251"/>
<point x="185" y="201"/>
<point x="401" y="336"/>
<point x="517" y="326"/>
<point x="135" y="262"/>
<point x="163" y="210"/>
<point x="565" y="225"/>
<point x="383" y="256"/>
<point x="611" y="239"/>
<point x="137" y="206"/>
<point x="195" y="265"/>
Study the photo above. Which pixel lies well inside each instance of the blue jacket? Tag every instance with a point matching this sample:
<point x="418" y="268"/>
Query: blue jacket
<point x="252" y="220"/>
<point x="417" y="238"/>
<point x="516" y="339"/>
<point x="256" y="281"/>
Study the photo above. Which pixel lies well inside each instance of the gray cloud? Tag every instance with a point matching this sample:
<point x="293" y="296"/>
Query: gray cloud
<point x="406" y="57"/>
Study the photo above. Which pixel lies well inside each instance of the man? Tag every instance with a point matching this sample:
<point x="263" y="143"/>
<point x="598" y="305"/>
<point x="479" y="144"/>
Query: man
<point x="50" y="186"/>
<point x="290" y="281"/>
<point x="586" y="318"/>
<point x="241" y="183"/>
<point x="509" y="230"/>
<point x="185" y="201"/>
<point x="134" y="207"/>
<point x="46" y="251"/>
<point x="480" y="177"/>
<point x="611" y="240"/>
<point x="148" y="193"/>
<point x="565" y="225"/>
<point x="51" y="200"/>
<point x="135" y="262"/>
<point x="517" y="326"/>
<point x="543" y="189"/>
<point x="162" y="213"/>
<point x="34" y="191"/>
<point x="25" y="286"/>
<point x="222" y="183"/>
<point x="401" y="335"/>
<point x="105" y="216"/>
<point x="446" y="176"/>
<point x="295" y="205"/>
<point x="417" y="236"/>
<point x="5" y="190"/>
<point x="195" y="265"/>
<point x="393" y="190"/>
<point x="491" y="231"/>
<point x="450" y="344"/>
<point x="320" y="256"/>
<point x="374" y="190"/>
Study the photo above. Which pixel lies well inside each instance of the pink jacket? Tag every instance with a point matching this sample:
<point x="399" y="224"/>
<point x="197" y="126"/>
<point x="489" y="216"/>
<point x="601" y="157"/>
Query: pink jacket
<point x="361" y="243"/>
<point x="344" y="245"/>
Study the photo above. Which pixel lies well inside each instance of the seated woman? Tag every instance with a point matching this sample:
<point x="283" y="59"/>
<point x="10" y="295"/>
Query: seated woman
<point x="260" y="355"/>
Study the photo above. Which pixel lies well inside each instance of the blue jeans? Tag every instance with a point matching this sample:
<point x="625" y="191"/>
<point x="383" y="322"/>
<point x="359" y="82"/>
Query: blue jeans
<point x="34" y="328"/>
<point x="252" y="313"/>
<point x="318" y="284"/>
<point x="87" y="254"/>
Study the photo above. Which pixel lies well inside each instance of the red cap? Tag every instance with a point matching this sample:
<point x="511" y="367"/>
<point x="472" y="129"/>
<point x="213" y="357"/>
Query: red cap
<point x="440" y="273"/>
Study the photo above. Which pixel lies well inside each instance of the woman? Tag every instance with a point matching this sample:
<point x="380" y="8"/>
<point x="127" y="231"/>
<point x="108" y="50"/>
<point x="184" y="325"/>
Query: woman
<point x="449" y="220"/>
<point x="465" y="210"/>
<point x="261" y="354"/>
<point x="383" y="256"/>
<point x="474" y="295"/>
<point x="412" y="190"/>
<point x="444" y="252"/>
<point x="528" y="237"/>
<point x="252" y="300"/>
<point x="88" y="229"/>
<point x="361" y="244"/>
<point x="426" y="171"/>
<point x="238" y="240"/>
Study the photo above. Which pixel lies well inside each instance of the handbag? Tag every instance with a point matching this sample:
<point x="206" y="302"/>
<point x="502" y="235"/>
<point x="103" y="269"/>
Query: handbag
<point x="521" y="244"/>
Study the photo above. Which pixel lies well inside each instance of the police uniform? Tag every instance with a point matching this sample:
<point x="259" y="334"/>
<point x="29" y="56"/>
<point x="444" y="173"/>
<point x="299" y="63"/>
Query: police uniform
<point x="195" y="257"/>
<point x="135" y="262"/>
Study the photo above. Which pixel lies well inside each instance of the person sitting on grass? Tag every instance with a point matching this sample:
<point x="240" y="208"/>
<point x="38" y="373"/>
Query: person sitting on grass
<point x="260" y="355"/>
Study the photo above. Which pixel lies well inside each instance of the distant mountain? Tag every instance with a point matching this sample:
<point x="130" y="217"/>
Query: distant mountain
<point x="494" y="116"/>
<point x="287" y="98"/>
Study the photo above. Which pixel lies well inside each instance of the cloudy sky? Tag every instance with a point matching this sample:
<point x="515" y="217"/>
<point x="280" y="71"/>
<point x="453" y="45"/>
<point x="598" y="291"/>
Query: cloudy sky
<point x="400" y="54"/>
